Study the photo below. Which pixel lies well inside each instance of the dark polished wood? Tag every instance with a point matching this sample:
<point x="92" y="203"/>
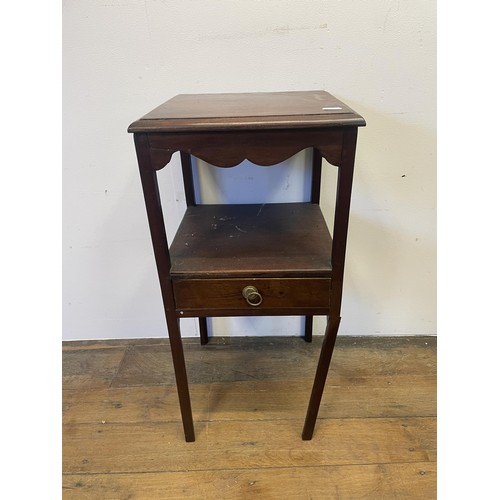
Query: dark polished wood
<point x="316" y="167"/>
<point x="260" y="146"/>
<point x="277" y="239"/>
<point x="187" y="176"/>
<point x="280" y="296"/>
<point x="341" y="221"/>
<point x="248" y="111"/>
<point x="325" y="357"/>
<point x="308" y="328"/>
<point x="159" y="238"/>
<point x="284" y="251"/>
<point x="202" y="322"/>
<point x="317" y="161"/>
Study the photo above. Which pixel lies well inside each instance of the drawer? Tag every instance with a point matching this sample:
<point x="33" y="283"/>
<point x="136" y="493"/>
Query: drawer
<point x="224" y="297"/>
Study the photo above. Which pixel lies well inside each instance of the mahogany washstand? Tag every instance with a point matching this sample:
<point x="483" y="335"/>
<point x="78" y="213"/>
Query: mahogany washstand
<point x="250" y="259"/>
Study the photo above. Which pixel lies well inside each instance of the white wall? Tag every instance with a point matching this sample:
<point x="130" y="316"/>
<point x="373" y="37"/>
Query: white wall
<point x="122" y="58"/>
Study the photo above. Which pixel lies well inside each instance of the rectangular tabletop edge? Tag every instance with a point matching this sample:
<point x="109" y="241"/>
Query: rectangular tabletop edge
<point x="185" y="125"/>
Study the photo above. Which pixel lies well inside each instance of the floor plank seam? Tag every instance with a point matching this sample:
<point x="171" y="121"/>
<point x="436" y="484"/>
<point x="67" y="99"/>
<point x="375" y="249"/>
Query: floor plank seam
<point x="242" y="469"/>
<point x="270" y="419"/>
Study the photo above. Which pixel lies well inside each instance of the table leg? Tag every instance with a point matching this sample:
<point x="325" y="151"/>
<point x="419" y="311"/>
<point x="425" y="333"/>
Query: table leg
<point x="320" y="379"/>
<point x="203" y="331"/>
<point x="154" y="211"/>
<point x="308" y="331"/>
<point x="187" y="176"/>
<point x="316" y="176"/>
<point x="174" y="336"/>
<point x="340" y="226"/>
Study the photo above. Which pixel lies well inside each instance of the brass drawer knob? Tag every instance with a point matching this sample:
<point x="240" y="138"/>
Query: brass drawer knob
<point x="252" y="295"/>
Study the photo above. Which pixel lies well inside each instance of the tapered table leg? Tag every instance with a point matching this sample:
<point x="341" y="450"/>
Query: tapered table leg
<point x="203" y="331"/>
<point x="154" y="211"/>
<point x="174" y="336"/>
<point x="308" y="331"/>
<point x="320" y="378"/>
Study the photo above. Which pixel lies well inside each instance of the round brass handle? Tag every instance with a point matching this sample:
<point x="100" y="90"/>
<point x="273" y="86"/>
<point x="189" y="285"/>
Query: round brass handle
<point x="252" y="295"/>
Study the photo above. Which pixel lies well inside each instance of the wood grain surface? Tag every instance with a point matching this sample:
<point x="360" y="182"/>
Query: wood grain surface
<point x="248" y="110"/>
<point x="273" y="239"/>
<point x="375" y="435"/>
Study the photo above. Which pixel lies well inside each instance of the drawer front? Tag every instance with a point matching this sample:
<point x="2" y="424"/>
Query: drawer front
<point x="225" y="297"/>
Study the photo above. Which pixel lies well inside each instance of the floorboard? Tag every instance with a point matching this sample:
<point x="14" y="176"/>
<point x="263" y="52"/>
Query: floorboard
<point x="375" y="436"/>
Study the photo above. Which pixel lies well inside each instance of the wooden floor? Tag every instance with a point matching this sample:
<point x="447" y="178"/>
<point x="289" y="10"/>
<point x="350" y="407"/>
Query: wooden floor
<point x="375" y="437"/>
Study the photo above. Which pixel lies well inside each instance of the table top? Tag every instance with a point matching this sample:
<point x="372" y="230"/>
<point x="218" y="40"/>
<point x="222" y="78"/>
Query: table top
<point x="259" y="110"/>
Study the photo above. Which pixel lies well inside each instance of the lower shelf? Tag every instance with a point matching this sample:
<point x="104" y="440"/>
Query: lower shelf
<point x="267" y="240"/>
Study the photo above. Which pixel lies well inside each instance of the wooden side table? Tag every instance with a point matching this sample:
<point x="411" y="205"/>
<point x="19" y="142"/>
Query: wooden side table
<point x="249" y="260"/>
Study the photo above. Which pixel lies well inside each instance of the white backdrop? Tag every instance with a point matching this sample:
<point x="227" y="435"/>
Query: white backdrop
<point x="122" y="58"/>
